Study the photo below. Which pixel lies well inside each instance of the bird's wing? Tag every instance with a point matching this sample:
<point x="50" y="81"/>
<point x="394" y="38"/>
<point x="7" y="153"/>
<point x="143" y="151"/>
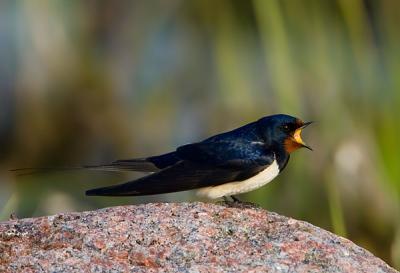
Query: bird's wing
<point x="182" y="176"/>
<point x="202" y="165"/>
<point x="227" y="154"/>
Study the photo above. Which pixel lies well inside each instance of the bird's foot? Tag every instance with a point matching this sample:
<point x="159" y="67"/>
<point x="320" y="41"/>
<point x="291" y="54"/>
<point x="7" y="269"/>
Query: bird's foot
<point x="13" y="216"/>
<point x="237" y="203"/>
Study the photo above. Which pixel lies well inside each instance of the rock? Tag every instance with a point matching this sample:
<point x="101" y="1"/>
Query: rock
<point x="185" y="237"/>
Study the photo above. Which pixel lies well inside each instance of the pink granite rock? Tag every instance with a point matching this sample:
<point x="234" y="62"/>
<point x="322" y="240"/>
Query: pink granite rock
<point x="186" y="237"/>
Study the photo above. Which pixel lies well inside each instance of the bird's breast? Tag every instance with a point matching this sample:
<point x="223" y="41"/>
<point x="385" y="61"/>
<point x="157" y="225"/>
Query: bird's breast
<point x="237" y="187"/>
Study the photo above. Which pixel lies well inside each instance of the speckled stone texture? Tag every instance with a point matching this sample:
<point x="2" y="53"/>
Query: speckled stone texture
<point x="185" y="237"/>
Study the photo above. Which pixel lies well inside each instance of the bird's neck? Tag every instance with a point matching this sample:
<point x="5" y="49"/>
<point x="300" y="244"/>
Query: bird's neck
<point x="282" y="157"/>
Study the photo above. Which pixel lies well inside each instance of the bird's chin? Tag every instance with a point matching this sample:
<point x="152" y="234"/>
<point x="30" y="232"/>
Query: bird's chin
<point x="291" y="145"/>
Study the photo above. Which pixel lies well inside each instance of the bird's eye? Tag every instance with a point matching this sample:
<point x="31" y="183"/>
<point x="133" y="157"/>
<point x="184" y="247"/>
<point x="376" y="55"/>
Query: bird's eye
<point x="286" y="127"/>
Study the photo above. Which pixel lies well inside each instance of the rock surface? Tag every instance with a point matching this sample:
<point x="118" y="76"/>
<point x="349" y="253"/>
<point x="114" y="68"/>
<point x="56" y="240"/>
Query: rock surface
<point x="185" y="237"/>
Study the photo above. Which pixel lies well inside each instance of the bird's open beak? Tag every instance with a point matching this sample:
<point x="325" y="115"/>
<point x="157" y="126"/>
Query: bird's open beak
<point x="297" y="135"/>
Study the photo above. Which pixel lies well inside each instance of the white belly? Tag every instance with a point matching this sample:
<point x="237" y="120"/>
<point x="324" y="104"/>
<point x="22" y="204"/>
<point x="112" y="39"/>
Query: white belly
<point x="238" y="187"/>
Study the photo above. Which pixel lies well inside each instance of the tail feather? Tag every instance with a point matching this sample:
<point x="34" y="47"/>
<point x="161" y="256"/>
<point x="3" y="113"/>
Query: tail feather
<point x="139" y="165"/>
<point x="31" y="171"/>
<point x="150" y="164"/>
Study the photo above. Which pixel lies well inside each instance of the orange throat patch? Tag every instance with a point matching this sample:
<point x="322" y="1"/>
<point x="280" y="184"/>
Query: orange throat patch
<point x="291" y="145"/>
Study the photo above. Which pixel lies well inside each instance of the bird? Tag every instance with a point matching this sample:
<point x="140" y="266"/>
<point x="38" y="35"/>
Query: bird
<point x="221" y="166"/>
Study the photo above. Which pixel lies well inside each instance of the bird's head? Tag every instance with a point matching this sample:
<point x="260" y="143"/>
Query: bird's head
<point x="285" y="130"/>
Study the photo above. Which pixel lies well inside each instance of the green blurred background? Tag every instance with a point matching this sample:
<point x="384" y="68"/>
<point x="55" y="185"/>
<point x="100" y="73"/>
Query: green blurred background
<point x="93" y="81"/>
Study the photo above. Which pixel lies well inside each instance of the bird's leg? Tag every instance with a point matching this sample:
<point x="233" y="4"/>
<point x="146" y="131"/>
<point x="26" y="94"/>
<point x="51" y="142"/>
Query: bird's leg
<point x="237" y="203"/>
<point x="232" y="201"/>
<point x="235" y="199"/>
<point x="225" y="202"/>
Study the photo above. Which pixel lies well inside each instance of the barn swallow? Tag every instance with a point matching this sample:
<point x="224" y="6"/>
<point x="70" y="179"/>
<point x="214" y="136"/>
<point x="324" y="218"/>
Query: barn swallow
<point x="226" y="164"/>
